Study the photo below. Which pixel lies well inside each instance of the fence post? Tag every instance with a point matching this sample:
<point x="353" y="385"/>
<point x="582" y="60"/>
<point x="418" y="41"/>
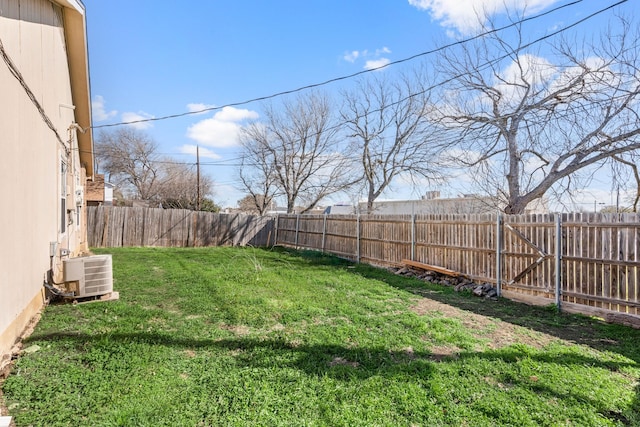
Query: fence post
<point x="558" y="261"/>
<point x="297" y="229"/>
<point x="358" y="238"/>
<point x="144" y="227"/>
<point x="275" y="234"/>
<point x="413" y="237"/>
<point x="499" y="231"/>
<point x="324" y="231"/>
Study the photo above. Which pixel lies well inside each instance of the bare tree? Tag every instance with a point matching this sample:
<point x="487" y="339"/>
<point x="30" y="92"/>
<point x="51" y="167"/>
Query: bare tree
<point x="130" y="158"/>
<point x="178" y="186"/>
<point x="632" y="164"/>
<point x="389" y="128"/>
<point x="249" y="203"/>
<point x="257" y="172"/>
<point x="297" y="147"/>
<point x="525" y="123"/>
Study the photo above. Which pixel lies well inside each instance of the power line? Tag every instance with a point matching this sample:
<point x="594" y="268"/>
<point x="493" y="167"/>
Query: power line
<point x="13" y="69"/>
<point x="349" y="76"/>
<point x="486" y="65"/>
<point x="436" y="85"/>
<point x="225" y="162"/>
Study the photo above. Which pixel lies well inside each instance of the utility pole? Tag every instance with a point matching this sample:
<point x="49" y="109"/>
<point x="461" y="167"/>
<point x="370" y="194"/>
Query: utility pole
<point x="198" y="177"/>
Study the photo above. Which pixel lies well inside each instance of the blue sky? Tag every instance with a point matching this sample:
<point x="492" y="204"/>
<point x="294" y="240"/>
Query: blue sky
<point x="157" y="58"/>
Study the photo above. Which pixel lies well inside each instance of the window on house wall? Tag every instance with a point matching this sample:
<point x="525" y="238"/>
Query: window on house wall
<point x="63" y="196"/>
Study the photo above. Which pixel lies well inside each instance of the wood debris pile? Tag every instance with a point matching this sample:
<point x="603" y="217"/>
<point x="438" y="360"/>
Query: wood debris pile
<point x="445" y="277"/>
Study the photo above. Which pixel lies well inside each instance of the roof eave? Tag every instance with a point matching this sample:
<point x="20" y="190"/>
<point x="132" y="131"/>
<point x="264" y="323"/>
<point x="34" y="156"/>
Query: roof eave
<point x="78" y="57"/>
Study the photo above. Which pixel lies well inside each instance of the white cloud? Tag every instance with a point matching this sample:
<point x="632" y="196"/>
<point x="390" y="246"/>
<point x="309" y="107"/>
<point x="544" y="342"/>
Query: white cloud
<point x="215" y="133"/>
<point x="204" y="152"/>
<point x="376" y="63"/>
<point x="372" y="60"/>
<point x="540" y="74"/>
<point x="198" y="107"/>
<point x="222" y="129"/>
<point x="467" y="15"/>
<point x="132" y="118"/>
<point x="600" y="78"/>
<point x="230" y="114"/>
<point x="226" y="195"/>
<point x="100" y="114"/>
<point x="453" y="156"/>
<point x="530" y="69"/>
<point x="352" y="56"/>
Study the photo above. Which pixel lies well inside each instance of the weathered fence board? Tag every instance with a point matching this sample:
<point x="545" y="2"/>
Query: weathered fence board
<point x="110" y="226"/>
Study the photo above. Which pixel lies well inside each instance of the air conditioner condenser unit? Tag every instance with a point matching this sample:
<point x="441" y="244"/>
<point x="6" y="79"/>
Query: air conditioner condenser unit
<point x="93" y="274"/>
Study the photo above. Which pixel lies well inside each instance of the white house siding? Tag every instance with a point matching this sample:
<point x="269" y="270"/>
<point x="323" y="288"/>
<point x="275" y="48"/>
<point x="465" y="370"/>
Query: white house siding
<point x="33" y="36"/>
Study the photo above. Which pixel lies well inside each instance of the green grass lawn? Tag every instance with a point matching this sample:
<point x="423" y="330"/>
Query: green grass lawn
<point x="243" y="336"/>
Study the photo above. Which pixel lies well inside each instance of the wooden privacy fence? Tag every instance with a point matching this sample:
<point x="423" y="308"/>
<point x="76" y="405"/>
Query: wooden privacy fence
<point x="110" y="226"/>
<point x="587" y="263"/>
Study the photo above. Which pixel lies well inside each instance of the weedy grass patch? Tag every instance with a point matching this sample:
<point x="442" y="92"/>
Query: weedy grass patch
<point x="245" y="336"/>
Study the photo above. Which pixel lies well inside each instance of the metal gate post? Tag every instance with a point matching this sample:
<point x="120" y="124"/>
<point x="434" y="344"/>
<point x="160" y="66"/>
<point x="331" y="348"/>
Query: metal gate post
<point x="413" y="237"/>
<point x="358" y="239"/>
<point x="275" y="235"/>
<point x="499" y="244"/>
<point x="558" y="262"/>
<point x="324" y="231"/>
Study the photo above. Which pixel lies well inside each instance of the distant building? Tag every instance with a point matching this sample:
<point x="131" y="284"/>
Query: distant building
<point x="431" y="203"/>
<point x="94" y="191"/>
<point x="276" y="211"/>
<point x="108" y="193"/>
<point x="339" y="210"/>
<point x="99" y="192"/>
<point x="296" y="210"/>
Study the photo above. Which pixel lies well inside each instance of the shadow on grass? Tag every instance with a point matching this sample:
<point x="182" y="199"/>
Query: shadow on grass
<point x="579" y="329"/>
<point x="583" y="330"/>
<point x="334" y="361"/>
<point x="320" y="358"/>
<point x="354" y="364"/>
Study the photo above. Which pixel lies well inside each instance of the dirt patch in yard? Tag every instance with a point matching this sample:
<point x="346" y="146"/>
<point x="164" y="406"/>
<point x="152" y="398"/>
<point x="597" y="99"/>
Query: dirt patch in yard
<point x="444" y="352"/>
<point x="499" y="334"/>
<point x="240" y="330"/>
<point x="344" y="362"/>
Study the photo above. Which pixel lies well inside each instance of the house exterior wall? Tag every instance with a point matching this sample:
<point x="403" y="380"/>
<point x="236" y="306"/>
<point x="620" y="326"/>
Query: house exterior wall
<point x="39" y="167"/>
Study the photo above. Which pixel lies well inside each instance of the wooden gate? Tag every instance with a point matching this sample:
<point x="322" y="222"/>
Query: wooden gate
<point x="529" y="255"/>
